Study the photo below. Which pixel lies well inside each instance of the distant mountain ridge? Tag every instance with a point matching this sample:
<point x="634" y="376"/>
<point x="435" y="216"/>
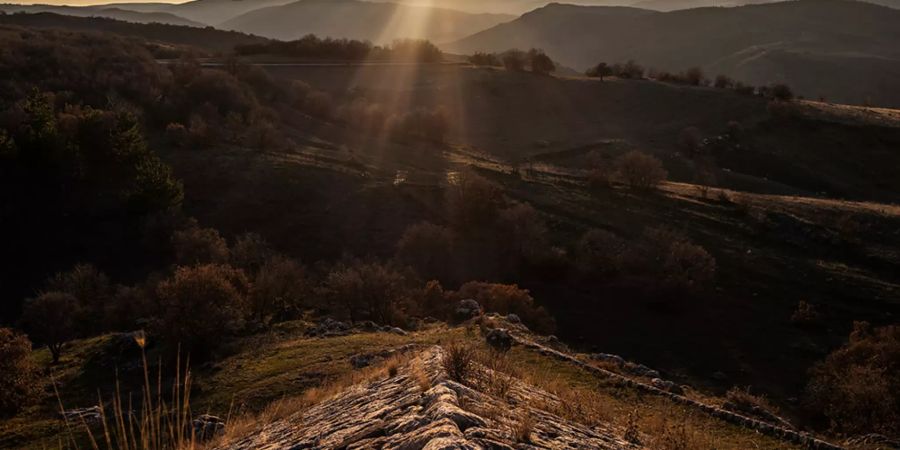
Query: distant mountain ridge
<point x="841" y="49"/>
<point x="108" y="12"/>
<point x="377" y="22"/>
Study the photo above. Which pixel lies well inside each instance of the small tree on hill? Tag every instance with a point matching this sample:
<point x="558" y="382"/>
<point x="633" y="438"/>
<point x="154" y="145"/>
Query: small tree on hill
<point x="640" y="171"/>
<point x="51" y="320"/>
<point x="781" y="92"/>
<point x="201" y="306"/>
<point x="601" y="70"/>
<point x="540" y="63"/>
<point x="196" y="245"/>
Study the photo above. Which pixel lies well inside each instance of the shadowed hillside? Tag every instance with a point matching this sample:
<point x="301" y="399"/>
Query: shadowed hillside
<point x="855" y="43"/>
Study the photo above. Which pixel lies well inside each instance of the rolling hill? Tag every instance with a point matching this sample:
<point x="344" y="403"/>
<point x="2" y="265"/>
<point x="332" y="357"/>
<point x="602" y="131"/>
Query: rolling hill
<point x="116" y="13"/>
<point x="790" y="42"/>
<point x="377" y="22"/>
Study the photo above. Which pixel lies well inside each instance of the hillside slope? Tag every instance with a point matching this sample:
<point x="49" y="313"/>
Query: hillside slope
<point x="377" y="22"/>
<point x="791" y="42"/>
<point x="122" y="14"/>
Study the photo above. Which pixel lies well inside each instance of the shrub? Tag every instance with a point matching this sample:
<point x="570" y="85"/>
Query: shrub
<point x="522" y="233"/>
<point x="434" y="300"/>
<point x="195" y="245"/>
<point x="368" y="290"/>
<point x="805" y="314"/>
<point x="418" y="50"/>
<point x="690" y="140"/>
<point x="250" y="251"/>
<point x="92" y="291"/>
<point x="694" y="76"/>
<point x="857" y="386"/>
<point x="19" y="376"/>
<point x="601" y="252"/>
<point x="514" y="60"/>
<point x="176" y="134"/>
<point x="723" y="82"/>
<point x="201" y="306"/>
<point x="781" y="92"/>
<point x="51" y="319"/>
<point x="630" y="70"/>
<point x="689" y="265"/>
<point x="506" y="299"/>
<point x="473" y="202"/>
<point x="485" y="59"/>
<point x="601" y="70"/>
<point x="279" y="290"/>
<point x="429" y="249"/>
<point x="540" y="63"/>
<point x="640" y="171"/>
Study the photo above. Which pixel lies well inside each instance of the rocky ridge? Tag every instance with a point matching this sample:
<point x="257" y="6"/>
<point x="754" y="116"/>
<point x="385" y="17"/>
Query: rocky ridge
<point x="419" y="407"/>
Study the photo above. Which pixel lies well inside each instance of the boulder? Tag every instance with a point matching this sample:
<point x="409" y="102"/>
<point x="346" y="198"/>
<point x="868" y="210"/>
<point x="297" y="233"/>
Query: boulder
<point x="398" y="331"/>
<point x="640" y="370"/>
<point x="329" y="327"/>
<point x="608" y="358"/>
<point x="467" y="309"/>
<point x="362" y="360"/>
<point x="666" y="385"/>
<point x="499" y="339"/>
<point x="207" y="426"/>
<point x="513" y="318"/>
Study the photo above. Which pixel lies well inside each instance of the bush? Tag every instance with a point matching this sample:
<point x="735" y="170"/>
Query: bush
<point x="177" y="135"/>
<point x="690" y="140"/>
<point x="515" y="60"/>
<point x="250" y="251"/>
<point x="601" y="252"/>
<point x="19" y="377"/>
<point x="629" y="70"/>
<point x="522" y="233"/>
<point x="640" y="171"/>
<point x="51" y="319"/>
<point x="781" y="92"/>
<point x="857" y="387"/>
<point x="485" y="59"/>
<point x="201" y="306"/>
<point x="506" y="299"/>
<point x="694" y="76"/>
<point x="92" y="291"/>
<point x="368" y="290"/>
<point x="196" y="245"/>
<point x="473" y="202"/>
<point x="540" y="63"/>
<point x="689" y="265"/>
<point x="723" y="82"/>
<point x="429" y="249"/>
<point x="601" y="70"/>
<point x="279" y="290"/>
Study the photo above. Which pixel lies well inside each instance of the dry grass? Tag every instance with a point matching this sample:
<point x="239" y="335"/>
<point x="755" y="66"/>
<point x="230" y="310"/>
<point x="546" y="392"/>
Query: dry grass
<point x="523" y="427"/>
<point x="459" y="361"/>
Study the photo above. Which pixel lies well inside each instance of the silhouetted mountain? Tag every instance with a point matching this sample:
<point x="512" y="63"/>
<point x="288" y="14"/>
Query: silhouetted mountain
<point x="854" y="43"/>
<point x="377" y="22"/>
<point x="202" y="38"/>
<point x="127" y="15"/>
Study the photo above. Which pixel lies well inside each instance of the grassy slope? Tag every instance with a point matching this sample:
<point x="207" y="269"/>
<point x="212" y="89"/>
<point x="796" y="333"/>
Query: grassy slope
<point x="284" y="363"/>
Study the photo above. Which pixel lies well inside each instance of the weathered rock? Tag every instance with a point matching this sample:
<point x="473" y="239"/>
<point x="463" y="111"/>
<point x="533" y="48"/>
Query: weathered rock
<point x="467" y="309"/>
<point x="609" y="358"/>
<point x="367" y="326"/>
<point x="879" y="440"/>
<point x="398" y="331"/>
<point x="666" y="385"/>
<point x="207" y="427"/>
<point x="329" y="327"/>
<point x="395" y="413"/>
<point x="499" y="339"/>
<point x="640" y="370"/>
<point x="513" y="318"/>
